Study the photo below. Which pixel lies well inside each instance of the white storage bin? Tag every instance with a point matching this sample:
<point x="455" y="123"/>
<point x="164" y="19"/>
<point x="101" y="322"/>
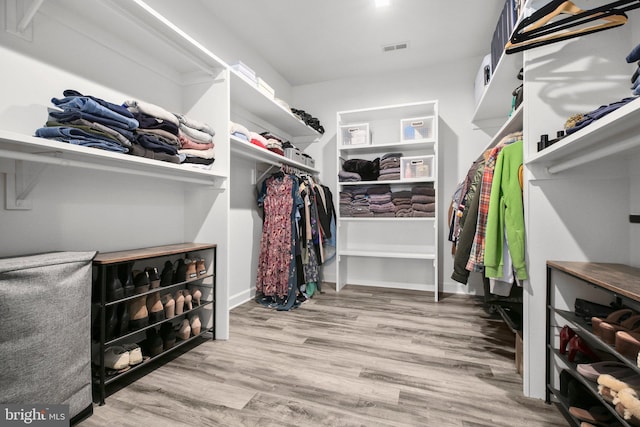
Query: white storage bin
<point x="416" y="128"/>
<point x="355" y="134"/>
<point x="416" y="168"/>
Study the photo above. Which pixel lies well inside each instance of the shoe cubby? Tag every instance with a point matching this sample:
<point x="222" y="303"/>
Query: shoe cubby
<point x="146" y="303"/>
<point x="575" y="348"/>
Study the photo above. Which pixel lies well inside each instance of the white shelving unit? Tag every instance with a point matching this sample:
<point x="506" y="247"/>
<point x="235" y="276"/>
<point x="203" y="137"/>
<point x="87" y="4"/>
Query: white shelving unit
<point x="389" y="251"/>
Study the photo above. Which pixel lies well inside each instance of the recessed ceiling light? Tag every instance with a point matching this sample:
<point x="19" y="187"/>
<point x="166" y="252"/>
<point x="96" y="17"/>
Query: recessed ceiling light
<point x="382" y="3"/>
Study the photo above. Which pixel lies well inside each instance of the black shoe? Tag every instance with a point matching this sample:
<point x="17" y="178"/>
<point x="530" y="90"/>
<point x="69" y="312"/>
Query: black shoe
<point x="123" y="322"/>
<point x="168" y="334"/>
<point x="114" y="288"/>
<point x="154" y="277"/>
<point x="111" y="322"/>
<point x="181" y="272"/>
<point x="153" y="343"/>
<point x="140" y="281"/>
<point x="166" y="277"/>
<point x="124" y="274"/>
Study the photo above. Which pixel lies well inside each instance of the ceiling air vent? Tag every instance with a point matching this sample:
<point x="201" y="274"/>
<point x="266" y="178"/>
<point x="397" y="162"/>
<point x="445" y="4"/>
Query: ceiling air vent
<point x="395" y="46"/>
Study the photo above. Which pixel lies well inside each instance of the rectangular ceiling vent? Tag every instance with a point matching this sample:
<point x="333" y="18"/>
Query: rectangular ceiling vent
<point x="395" y="46"/>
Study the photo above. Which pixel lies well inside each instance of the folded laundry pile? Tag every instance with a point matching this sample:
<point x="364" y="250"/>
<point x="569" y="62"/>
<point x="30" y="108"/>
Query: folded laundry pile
<point x="367" y="170"/>
<point x="579" y="121"/>
<point x="390" y="167"/>
<point x="355" y="203"/>
<point x="423" y="201"/>
<point x="136" y="127"/>
<point x="308" y="119"/>
<point x="380" y="202"/>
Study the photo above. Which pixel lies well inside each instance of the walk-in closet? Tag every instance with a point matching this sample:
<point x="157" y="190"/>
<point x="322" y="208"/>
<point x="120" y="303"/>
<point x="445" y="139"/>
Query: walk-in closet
<point x="336" y="213"/>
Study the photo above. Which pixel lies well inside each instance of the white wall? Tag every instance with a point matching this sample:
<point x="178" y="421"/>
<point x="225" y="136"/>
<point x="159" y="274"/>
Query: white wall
<point x="451" y="84"/>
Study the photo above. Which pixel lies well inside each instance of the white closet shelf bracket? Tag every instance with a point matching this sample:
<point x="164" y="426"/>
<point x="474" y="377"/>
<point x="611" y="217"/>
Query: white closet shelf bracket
<point x="19" y="184"/>
<point x="19" y="16"/>
<point x="29" y="14"/>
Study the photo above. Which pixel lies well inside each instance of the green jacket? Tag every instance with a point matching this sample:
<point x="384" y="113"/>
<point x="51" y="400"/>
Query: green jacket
<point x="506" y="213"/>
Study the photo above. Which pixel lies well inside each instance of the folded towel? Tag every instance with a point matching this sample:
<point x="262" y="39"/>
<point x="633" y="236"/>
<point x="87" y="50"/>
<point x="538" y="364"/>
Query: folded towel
<point x="420" y="198"/>
<point x="424" y="207"/>
<point x="424" y="190"/>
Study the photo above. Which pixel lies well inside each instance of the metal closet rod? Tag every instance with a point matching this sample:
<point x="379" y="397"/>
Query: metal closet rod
<point x="36" y="158"/>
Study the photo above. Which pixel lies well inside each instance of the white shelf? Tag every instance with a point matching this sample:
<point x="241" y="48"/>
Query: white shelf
<point x="513" y="124"/>
<point x="373" y="148"/>
<point x="395" y="181"/>
<point x="386" y="219"/>
<point x="251" y="151"/>
<point x="249" y="98"/>
<point x="40" y="150"/>
<point x="402" y="253"/>
<point x="387" y="112"/>
<point x="614" y="133"/>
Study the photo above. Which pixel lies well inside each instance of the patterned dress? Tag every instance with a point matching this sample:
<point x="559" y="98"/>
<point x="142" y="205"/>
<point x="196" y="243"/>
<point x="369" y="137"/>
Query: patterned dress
<point x="275" y="262"/>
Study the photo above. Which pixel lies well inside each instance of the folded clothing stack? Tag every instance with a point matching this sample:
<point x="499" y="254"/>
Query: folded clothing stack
<point x="402" y="201"/>
<point x="196" y="141"/>
<point x="308" y="119"/>
<point x="158" y="136"/>
<point x="634" y="56"/>
<point x="390" y="167"/>
<point x="423" y="201"/>
<point x="369" y="170"/>
<point x="354" y="203"/>
<point x="257" y="139"/>
<point x="577" y="122"/>
<point x="274" y="143"/>
<point x="90" y="122"/>
<point x="380" y="202"/>
<point x="239" y="131"/>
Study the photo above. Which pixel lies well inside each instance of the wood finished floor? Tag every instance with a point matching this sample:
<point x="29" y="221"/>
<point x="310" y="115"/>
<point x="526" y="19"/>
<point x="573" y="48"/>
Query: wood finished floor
<point x="361" y="357"/>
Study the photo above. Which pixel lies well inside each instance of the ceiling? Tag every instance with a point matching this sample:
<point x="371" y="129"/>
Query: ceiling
<point x="309" y="41"/>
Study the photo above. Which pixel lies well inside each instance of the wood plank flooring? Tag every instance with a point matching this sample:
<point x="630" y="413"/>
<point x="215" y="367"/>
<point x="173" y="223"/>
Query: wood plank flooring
<point x="362" y="357"/>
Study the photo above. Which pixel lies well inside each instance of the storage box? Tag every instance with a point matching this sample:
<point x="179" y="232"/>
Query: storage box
<point x="246" y="72"/>
<point x="414" y="168"/>
<point x="266" y="89"/>
<point x="416" y="128"/>
<point x="356" y="134"/>
<point x="294" y="154"/>
<point x="308" y="160"/>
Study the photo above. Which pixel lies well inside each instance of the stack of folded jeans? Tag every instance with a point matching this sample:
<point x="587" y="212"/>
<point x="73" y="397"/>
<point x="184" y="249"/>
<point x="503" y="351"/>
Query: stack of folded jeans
<point x="634" y="56"/>
<point x="90" y="122"/>
<point x="402" y="202"/>
<point x="423" y="201"/>
<point x="390" y="167"/>
<point x="196" y="142"/>
<point x="158" y="136"/>
<point x="380" y="201"/>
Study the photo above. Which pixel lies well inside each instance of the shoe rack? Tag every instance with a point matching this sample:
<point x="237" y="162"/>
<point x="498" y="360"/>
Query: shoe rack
<point x="571" y="339"/>
<point x="150" y="300"/>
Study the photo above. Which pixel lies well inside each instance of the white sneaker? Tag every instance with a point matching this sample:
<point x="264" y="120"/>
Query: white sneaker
<point x="116" y="358"/>
<point x="135" y="353"/>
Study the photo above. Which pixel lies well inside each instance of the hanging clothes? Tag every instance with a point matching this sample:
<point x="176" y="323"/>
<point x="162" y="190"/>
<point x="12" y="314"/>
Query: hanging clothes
<point x="277" y="276"/>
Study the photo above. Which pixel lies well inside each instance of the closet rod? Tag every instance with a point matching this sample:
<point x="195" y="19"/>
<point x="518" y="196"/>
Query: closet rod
<point x="38" y="158"/>
<point x="594" y="155"/>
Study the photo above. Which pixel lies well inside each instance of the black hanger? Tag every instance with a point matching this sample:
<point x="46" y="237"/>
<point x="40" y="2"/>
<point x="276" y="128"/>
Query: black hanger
<point x="538" y="30"/>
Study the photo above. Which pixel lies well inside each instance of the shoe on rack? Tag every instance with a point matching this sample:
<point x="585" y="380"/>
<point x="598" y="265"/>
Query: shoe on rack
<point x="155" y="308"/>
<point x="116" y="358"/>
<point x="614" y="318"/>
<point x="201" y="268"/>
<point x="154" y="277"/>
<point x="628" y="344"/>
<point x="169" y="305"/>
<point x="594" y="415"/>
<point x="196" y="294"/>
<point x="123" y="319"/>
<point x="608" y="330"/>
<point x="114" y="288"/>
<point x="180" y="274"/>
<point x="126" y="278"/>
<point x="138" y="313"/>
<point x="187" y="300"/>
<point x="168" y="334"/>
<point x="111" y="322"/>
<point x="185" y="330"/>
<point x="141" y="281"/>
<point x="179" y="300"/>
<point x="166" y="277"/>
<point x="579" y="346"/>
<point x="135" y="353"/>
<point x="195" y="324"/>
<point x="153" y="343"/>
<point x="192" y="273"/>
<point x="591" y="371"/>
<point x="566" y="333"/>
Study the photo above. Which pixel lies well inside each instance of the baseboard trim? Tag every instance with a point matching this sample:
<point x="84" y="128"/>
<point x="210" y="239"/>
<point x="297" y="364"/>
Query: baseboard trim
<point x="241" y="297"/>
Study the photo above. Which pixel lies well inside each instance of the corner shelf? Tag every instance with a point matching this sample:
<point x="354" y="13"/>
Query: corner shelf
<point x="617" y="128"/>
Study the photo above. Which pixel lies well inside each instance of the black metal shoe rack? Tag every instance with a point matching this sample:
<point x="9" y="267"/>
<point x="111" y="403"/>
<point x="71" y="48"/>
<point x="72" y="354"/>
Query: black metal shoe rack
<point x="147" y="256"/>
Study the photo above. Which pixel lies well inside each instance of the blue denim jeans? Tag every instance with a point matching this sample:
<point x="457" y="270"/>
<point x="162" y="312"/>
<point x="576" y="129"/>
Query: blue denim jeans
<point x="117" y="108"/>
<point x="154" y="144"/>
<point x="634" y="55"/>
<point x="89" y="106"/>
<point x="599" y="113"/>
<point x="71" y="115"/>
<point x="80" y="137"/>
